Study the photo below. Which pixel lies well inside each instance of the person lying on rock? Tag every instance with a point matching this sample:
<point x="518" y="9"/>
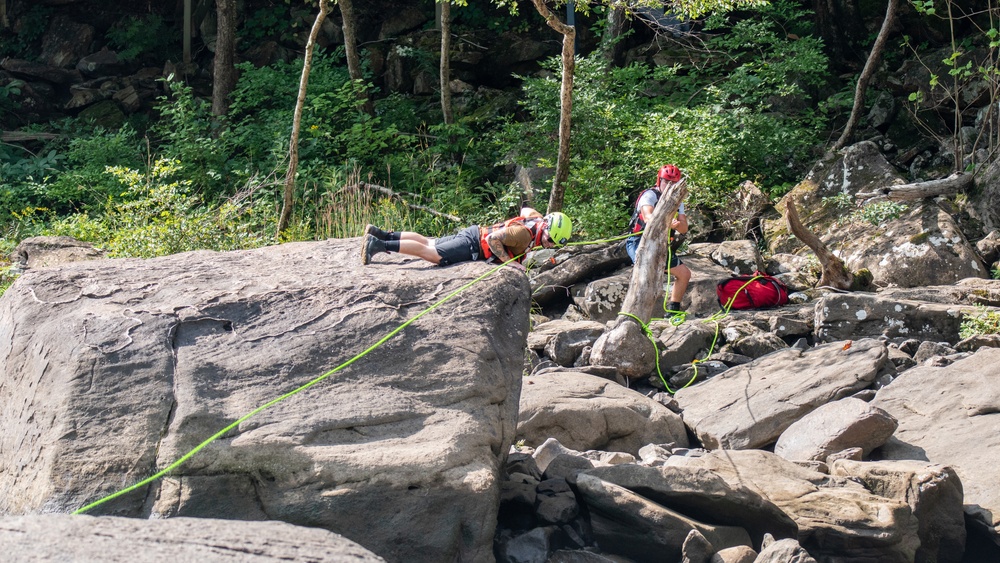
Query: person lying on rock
<point x="510" y="240"/>
<point x="669" y="174"/>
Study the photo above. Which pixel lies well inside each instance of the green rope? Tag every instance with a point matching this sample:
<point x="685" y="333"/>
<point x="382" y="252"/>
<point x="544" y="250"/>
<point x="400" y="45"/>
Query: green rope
<point x="292" y="393"/>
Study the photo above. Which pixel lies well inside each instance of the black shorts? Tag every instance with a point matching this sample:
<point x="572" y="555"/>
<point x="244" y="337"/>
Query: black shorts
<point x="463" y="247"/>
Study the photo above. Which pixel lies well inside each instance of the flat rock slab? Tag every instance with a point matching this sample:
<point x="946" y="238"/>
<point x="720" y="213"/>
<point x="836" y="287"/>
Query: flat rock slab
<point x="750" y="405"/>
<point x="108" y="539"/>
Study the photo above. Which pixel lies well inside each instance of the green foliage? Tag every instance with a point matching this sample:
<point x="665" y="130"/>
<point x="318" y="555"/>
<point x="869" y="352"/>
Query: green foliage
<point x="842" y="200"/>
<point x="983" y="321"/>
<point x="881" y="212"/>
<point x="133" y="37"/>
<point x="85" y="182"/>
<point x="621" y="136"/>
<point x="189" y="133"/>
<point x="161" y="216"/>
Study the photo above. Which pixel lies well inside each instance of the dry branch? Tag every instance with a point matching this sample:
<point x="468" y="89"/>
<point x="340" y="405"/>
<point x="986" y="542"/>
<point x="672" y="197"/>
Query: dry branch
<point x="834" y="273"/>
<point x="951" y="185"/>
<point x="399" y="195"/>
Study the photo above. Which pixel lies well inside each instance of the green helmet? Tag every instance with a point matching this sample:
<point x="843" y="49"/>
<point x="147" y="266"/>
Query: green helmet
<point x="559" y="226"/>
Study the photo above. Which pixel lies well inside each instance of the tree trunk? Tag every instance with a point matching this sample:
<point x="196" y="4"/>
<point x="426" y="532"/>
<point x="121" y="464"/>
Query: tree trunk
<point x="224" y="71"/>
<point x="834" y="273"/>
<point x="351" y="51"/>
<point x="293" y="145"/>
<point x="611" y="43"/>
<point x="568" y="32"/>
<point x="446" y="62"/>
<point x="625" y="345"/>
<point x="874" y="59"/>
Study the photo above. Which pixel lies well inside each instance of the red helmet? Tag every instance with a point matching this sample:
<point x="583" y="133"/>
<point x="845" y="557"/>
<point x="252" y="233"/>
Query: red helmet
<point x="670" y="172"/>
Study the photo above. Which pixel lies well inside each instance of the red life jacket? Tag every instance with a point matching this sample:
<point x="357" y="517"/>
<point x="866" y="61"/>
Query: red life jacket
<point x="535" y="230"/>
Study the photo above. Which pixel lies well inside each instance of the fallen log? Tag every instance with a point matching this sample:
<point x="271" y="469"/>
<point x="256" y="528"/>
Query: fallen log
<point x="951" y="185"/>
<point x="23" y="136"/>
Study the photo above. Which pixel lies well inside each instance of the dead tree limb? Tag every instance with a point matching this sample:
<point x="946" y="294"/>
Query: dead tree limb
<point x="956" y="183"/>
<point x="389" y="192"/>
<point x="834" y="273"/>
<point x="625" y="344"/>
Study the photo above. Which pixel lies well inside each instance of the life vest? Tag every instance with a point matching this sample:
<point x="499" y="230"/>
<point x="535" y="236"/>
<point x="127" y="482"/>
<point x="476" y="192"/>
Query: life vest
<point x="637" y="224"/>
<point x="534" y="228"/>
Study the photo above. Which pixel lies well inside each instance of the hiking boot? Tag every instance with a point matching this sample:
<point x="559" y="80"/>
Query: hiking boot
<point x="673" y="308"/>
<point x="376" y="232"/>
<point x="370" y="246"/>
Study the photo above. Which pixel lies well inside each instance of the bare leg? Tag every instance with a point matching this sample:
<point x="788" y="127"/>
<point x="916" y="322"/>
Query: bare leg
<point x="682" y="275"/>
<point x="416" y="237"/>
<point x="418" y="246"/>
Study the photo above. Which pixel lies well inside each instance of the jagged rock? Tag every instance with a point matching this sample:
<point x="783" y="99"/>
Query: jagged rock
<point x="703" y="496"/>
<point x="738" y="554"/>
<point x="555" y="502"/>
<point x="857" y="315"/>
<point x="738" y="257"/>
<point x="101" y="63"/>
<point x="48" y="73"/>
<point x="116" y="368"/>
<point x="40" y="252"/>
<point x="749" y="406"/>
<point x="838" y="519"/>
<point x="61" y="537"/>
<point x="629" y="524"/>
<point x="924" y="246"/>
<point x="696" y="549"/>
<point x="957" y="428"/>
<point x="532" y="546"/>
<point x="833" y="427"/>
<point x="681" y="344"/>
<point x="784" y="551"/>
<point x="744" y="338"/>
<point x="584" y="412"/>
<point x="934" y="494"/>
<point x="553" y="273"/>
<point x="66" y="41"/>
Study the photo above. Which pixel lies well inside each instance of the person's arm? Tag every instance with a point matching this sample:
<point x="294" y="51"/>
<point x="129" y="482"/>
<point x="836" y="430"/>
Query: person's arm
<point x="680" y="223"/>
<point x="514" y="237"/>
<point x="646" y="211"/>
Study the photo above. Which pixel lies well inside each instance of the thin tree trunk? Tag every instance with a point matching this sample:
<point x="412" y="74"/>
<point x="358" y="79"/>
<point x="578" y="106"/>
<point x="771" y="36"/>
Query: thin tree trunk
<point x="834" y="273"/>
<point x="874" y="59"/>
<point x="446" y="62"/>
<point x="565" y="104"/>
<point x="611" y="43"/>
<point x="224" y="71"/>
<point x="351" y="50"/>
<point x="625" y="345"/>
<point x="293" y="145"/>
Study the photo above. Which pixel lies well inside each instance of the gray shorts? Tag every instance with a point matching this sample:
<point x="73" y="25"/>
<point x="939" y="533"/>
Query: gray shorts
<point x="461" y="247"/>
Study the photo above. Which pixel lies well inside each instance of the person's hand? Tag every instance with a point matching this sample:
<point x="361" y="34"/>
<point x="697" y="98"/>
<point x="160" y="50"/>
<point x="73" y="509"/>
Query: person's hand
<point x="517" y="265"/>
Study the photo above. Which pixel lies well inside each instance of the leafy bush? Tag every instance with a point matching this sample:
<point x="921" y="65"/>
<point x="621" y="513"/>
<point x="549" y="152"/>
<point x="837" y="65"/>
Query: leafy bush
<point x="983" y="321"/>
<point x="161" y="216"/>
<point x="881" y="212"/>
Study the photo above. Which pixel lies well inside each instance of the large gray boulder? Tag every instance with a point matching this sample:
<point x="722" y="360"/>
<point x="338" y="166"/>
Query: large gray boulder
<point x="858" y="315"/>
<point x="109" y="539"/>
<point x="834" y="427"/>
<point x="114" y="369"/>
<point x="923" y="246"/>
<point x="954" y="421"/>
<point x="586" y="412"/>
<point x="750" y="405"/>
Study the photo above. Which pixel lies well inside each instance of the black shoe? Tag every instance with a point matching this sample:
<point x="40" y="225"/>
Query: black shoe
<point x="370" y="246"/>
<point x="673" y="308"/>
<point x="376" y="232"/>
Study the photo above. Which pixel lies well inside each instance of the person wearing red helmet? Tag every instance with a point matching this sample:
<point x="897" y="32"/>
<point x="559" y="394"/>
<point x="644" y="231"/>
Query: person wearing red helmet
<point x="668" y="175"/>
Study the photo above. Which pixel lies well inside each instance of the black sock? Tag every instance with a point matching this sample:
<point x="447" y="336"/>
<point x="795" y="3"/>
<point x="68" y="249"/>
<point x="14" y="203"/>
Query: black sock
<point x="392" y="245"/>
<point x="392" y="235"/>
<point x="673" y="306"/>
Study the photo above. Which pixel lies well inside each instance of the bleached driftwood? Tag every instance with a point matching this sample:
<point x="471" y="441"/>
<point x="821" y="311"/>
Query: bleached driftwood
<point x="951" y="185"/>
